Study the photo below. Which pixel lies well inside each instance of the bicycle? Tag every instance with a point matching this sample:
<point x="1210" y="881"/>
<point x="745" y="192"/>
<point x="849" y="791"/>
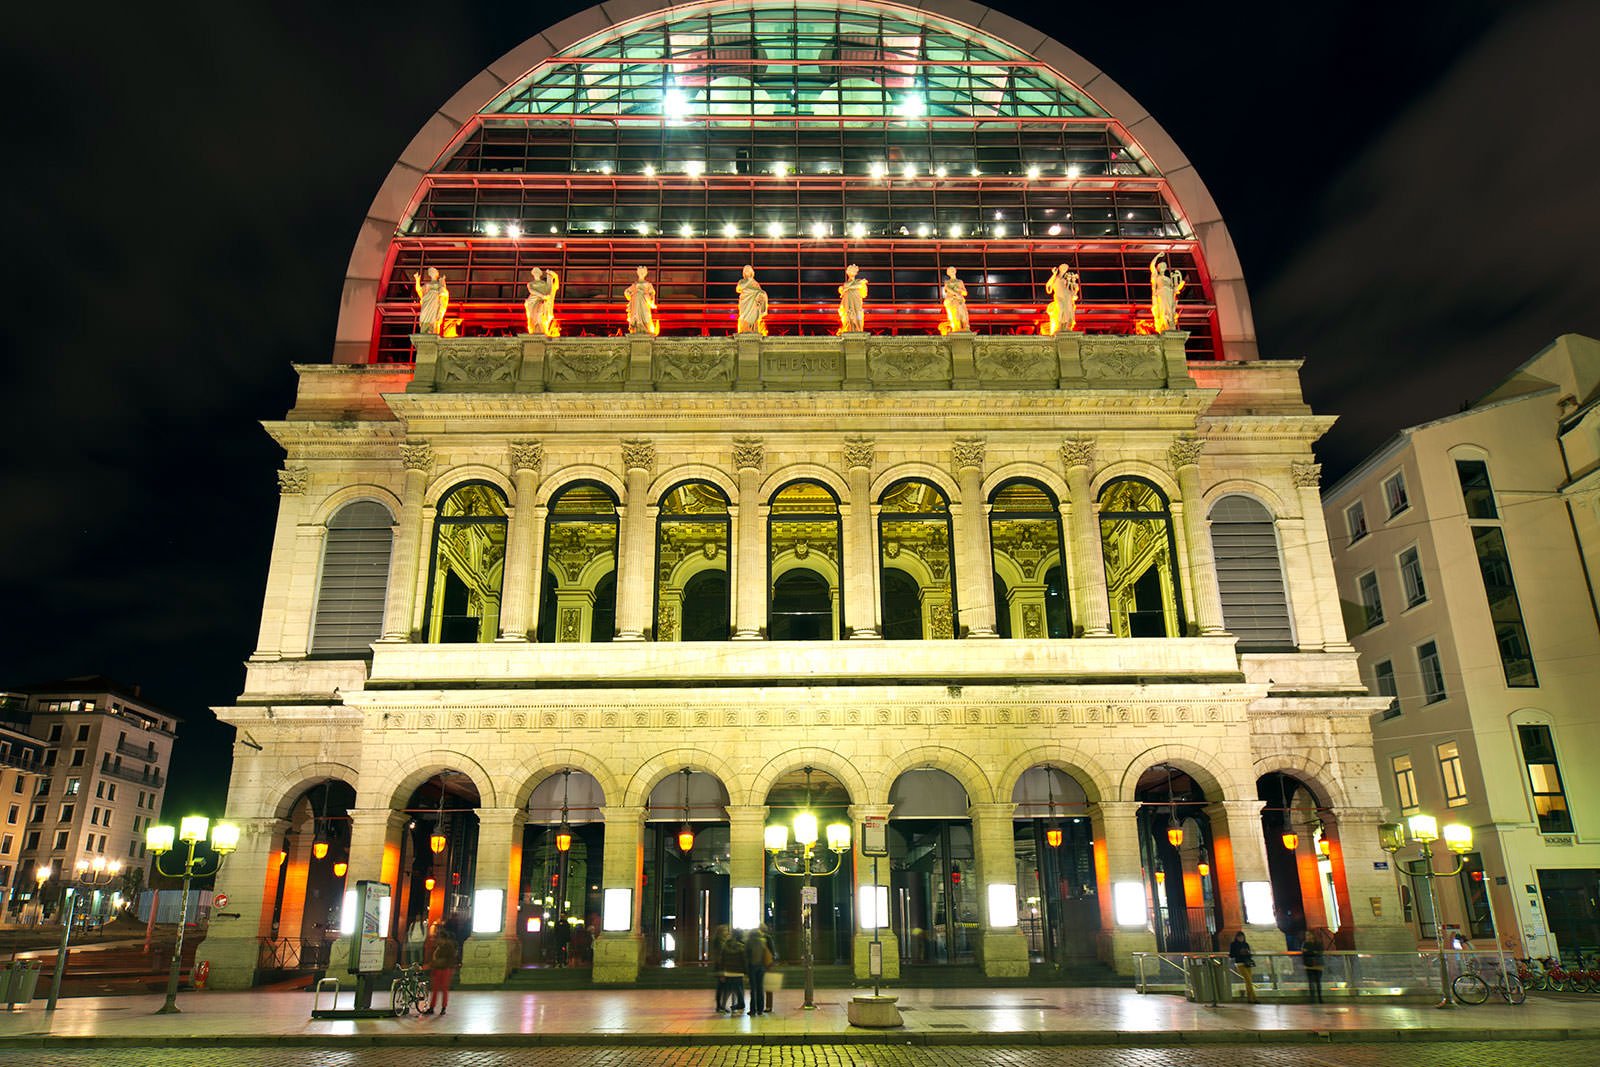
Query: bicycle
<point x="1471" y="988"/>
<point x="410" y="990"/>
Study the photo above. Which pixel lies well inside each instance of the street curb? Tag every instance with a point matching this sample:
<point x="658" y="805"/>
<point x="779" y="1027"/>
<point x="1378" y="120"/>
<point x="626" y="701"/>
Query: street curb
<point x="1026" y="1039"/>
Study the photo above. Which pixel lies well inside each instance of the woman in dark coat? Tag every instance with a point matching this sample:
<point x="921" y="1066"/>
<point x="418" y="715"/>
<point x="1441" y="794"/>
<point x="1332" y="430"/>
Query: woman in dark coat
<point x="1311" y="960"/>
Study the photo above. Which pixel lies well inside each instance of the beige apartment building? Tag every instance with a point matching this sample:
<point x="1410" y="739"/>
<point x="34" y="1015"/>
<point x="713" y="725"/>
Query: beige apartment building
<point x="21" y="760"/>
<point x="562" y="618"/>
<point x="1466" y="550"/>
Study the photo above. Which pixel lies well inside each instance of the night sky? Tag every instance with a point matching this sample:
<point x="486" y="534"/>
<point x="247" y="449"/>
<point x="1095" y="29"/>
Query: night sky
<point x="1411" y="187"/>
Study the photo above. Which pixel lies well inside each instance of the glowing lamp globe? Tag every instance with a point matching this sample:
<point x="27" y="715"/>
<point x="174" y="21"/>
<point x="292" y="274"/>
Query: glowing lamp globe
<point x="776" y="837"/>
<point x="43" y="873"/>
<point x="838" y="835"/>
<point x="158" y="839"/>
<point x="1204" y="869"/>
<point x="428" y="883"/>
<point x="805" y="829"/>
<point x="1161" y="878"/>
<point x="563" y="838"/>
<point x="1324" y="847"/>
<point x="339" y="869"/>
<point x="1053" y="837"/>
<point x="319" y="849"/>
<point x="224" y="838"/>
<point x="192" y="828"/>
<point x="1458" y="838"/>
<point x="685" y="839"/>
<point x="115" y="867"/>
<point x="1291" y="840"/>
<point x="1175" y="835"/>
<point x="1391" y="836"/>
<point x="82" y="866"/>
<point x="436" y="842"/>
<point x="1424" y="828"/>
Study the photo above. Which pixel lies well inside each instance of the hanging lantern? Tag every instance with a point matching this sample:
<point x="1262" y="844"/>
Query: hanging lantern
<point x="1053" y="836"/>
<point x="339" y="869"/>
<point x="1324" y="846"/>
<point x="955" y="875"/>
<point x="319" y="849"/>
<point x="428" y="883"/>
<point x="437" y="840"/>
<point x="1161" y="878"/>
<point x="1174" y="834"/>
<point x="1291" y="840"/>
<point x="685" y="839"/>
<point x="1203" y="868"/>
<point x="563" y="838"/>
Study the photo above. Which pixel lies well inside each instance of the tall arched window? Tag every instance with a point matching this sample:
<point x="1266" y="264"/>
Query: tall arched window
<point x="1140" y="550"/>
<point x="580" y="555"/>
<point x="914" y="543"/>
<point x="1025" y="538"/>
<point x="355" y="580"/>
<point x="1255" y="606"/>
<point x="469" y="556"/>
<point x="692" y="564"/>
<point x="805" y="563"/>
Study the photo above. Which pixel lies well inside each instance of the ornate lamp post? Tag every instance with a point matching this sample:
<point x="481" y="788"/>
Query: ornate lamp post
<point x="85" y="875"/>
<point x="191" y="831"/>
<point x="1424" y="830"/>
<point x="801" y="861"/>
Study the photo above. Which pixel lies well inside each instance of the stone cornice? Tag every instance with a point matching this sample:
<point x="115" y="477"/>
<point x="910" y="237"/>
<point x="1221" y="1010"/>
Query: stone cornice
<point x="1297" y="428"/>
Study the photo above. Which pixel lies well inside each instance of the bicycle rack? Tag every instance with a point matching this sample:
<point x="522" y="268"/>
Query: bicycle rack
<point x="316" y="995"/>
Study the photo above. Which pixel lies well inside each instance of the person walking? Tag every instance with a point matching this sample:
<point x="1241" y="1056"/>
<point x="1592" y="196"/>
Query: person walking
<point x="731" y="963"/>
<point x="1311" y="959"/>
<point x="417" y="939"/>
<point x="446" y="955"/>
<point x="718" y="936"/>
<point x="758" y="957"/>
<point x="1244" y="962"/>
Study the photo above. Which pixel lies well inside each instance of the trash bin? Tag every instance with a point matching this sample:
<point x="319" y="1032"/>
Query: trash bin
<point x="6" y="973"/>
<point x="1221" y="980"/>
<point x="1197" y="984"/>
<point x="24" y="979"/>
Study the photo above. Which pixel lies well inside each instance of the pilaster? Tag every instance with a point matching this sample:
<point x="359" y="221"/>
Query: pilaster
<point x="1325" y="586"/>
<point x="747" y="858"/>
<point x="860" y="571"/>
<point x="1117" y="861"/>
<point x="516" y="609"/>
<point x="975" y="566"/>
<point x="1374" y="898"/>
<point x="636" y="550"/>
<point x="861" y="942"/>
<point x="1003" y="951"/>
<point x="292" y="481"/>
<point x="617" y="953"/>
<point x="1090" y="608"/>
<point x="249" y="878"/>
<point x="1185" y="456"/>
<point x="749" y="570"/>
<point x="405" y="563"/>
<point x="1241" y="856"/>
<point x="487" y="959"/>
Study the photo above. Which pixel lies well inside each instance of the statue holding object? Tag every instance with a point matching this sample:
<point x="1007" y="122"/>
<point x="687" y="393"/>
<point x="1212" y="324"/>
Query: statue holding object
<point x="641" y="296"/>
<point x="433" y="297"/>
<point x="1064" y="289"/>
<point x="752" y="304"/>
<point x="541" y="303"/>
<point x="852" y="301"/>
<point x="956" y="319"/>
<point x="1165" y="285"/>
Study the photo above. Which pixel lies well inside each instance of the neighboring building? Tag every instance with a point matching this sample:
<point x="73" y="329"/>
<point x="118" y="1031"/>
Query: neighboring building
<point x="1467" y="550"/>
<point x="1058" y="608"/>
<point x="103" y="771"/>
<point x="21" y="760"/>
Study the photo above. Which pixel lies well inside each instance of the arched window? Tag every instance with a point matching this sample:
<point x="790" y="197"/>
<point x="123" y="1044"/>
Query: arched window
<point x="692" y="564"/>
<point x="804" y="563"/>
<point x="914" y="543"/>
<point x="1025" y="538"/>
<point x="579" y="599"/>
<point x="1141" y="577"/>
<point x="355" y="579"/>
<point x="469" y="556"/>
<point x="1255" y="606"/>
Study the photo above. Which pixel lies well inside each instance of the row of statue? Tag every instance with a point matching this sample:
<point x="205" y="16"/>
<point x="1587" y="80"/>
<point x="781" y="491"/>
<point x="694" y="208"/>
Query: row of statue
<point x="1063" y="285"/>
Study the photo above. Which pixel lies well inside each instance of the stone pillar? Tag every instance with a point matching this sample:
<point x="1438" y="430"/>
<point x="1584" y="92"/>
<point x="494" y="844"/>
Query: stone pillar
<point x="1241" y="856"/>
<point x="1300" y="583"/>
<point x="1374" y="902"/>
<point x="406" y="560"/>
<point x="617" y="953"/>
<point x="374" y="857"/>
<point x="522" y="548"/>
<point x="1090" y="607"/>
<point x="747" y="857"/>
<point x="974" y="559"/>
<point x="860" y="572"/>
<point x="636" y="548"/>
<point x="486" y="959"/>
<point x="861" y="942"/>
<point x="1325" y="587"/>
<point x="749" y="569"/>
<point x="301" y="597"/>
<point x="1003" y="952"/>
<point x="1117" y="861"/>
<point x="292" y="481"/>
<point x="250" y="878"/>
<point x="1185" y="456"/>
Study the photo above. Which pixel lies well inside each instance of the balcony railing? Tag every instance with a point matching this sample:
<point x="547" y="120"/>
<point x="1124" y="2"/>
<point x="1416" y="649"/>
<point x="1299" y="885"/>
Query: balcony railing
<point x="144" y="752"/>
<point x="130" y="774"/>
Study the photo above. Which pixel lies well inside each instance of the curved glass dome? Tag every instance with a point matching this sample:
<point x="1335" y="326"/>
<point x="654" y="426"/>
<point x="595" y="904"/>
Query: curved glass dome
<point x="798" y="138"/>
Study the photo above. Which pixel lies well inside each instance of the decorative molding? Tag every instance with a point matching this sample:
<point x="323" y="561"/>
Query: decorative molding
<point x="292" y="481"/>
<point x="527" y="455"/>
<point x="1122" y="357"/>
<point x="416" y="456"/>
<point x="585" y="364"/>
<point x="1306" y="475"/>
<point x="858" y="452"/>
<point x="487" y="362"/>
<point x="638" y="455"/>
<point x="1016" y="362"/>
<point x="748" y="453"/>
<point x="913" y="361"/>
<point x="694" y="363"/>
<point x="968" y="452"/>
<point x="1185" y="452"/>
<point x="1077" y="452"/>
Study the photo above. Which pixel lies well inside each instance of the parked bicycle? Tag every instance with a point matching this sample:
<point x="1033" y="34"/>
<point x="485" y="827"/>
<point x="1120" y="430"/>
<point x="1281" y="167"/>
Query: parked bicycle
<point x="1470" y="987"/>
<point x="410" y="990"/>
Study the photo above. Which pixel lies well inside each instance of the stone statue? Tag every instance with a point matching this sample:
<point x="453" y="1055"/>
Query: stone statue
<point x="641" y="305"/>
<point x="852" y="301"/>
<point x="434" y="297"/>
<point x="956" y="319"/>
<point x="752" y="304"/>
<point x="1064" y="289"/>
<point x="541" y="303"/>
<point x="1165" y="285"/>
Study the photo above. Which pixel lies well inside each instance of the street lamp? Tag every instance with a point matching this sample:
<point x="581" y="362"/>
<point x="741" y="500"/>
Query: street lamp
<point x="1424" y="830"/>
<point x="85" y="875"/>
<point x="191" y="831"/>
<point x="776" y="838"/>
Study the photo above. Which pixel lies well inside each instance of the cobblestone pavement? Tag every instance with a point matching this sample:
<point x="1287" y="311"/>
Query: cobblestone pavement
<point x="1429" y="1054"/>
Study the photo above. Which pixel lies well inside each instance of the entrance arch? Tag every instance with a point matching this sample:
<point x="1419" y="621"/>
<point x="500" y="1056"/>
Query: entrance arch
<point x="1304" y="862"/>
<point x="438" y="853"/>
<point x="1056" y="880"/>
<point x="934" y="908"/>
<point x="563" y="851"/>
<point x="305" y="890"/>
<point x="1177" y="849"/>
<point x="686" y="894"/>
<point x="810" y="789"/>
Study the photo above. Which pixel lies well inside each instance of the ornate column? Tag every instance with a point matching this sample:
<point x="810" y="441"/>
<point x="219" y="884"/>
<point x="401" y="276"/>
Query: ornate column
<point x="1003" y="952"/>
<point x="860" y="573"/>
<point x="747" y="857"/>
<point x="1090" y="607"/>
<point x="1117" y="861"/>
<point x="617" y="952"/>
<point x="1325" y="587"/>
<point x="1300" y="584"/>
<point x="1185" y="456"/>
<point x="406" y="561"/>
<point x="1241" y="856"/>
<point x="636" y="549"/>
<point x="860" y="944"/>
<point x="250" y="878"/>
<point x="488" y="958"/>
<point x="292" y="481"/>
<point x="975" y="561"/>
<point x="516" y="608"/>
<point x="749" y="570"/>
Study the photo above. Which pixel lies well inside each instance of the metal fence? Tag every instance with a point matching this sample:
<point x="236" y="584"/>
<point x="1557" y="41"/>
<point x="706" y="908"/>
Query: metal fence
<point x="1279" y="975"/>
<point x="294" y="954"/>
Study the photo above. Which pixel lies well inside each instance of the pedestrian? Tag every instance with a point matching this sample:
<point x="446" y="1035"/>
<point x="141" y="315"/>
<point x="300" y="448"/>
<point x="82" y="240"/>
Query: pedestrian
<point x="446" y="955"/>
<point x="758" y="957"/>
<point x="1244" y="962"/>
<point x="1311" y="960"/>
<point x="417" y="939"/>
<point x="718" y="936"/>
<point x="731" y="963"/>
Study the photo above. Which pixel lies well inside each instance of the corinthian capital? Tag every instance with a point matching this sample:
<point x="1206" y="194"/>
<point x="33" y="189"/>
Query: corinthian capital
<point x="748" y="453"/>
<point x="292" y="480"/>
<point x="968" y="452"/>
<point x="527" y="455"/>
<point x="858" y="452"/>
<point x="1306" y="475"/>
<point x="638" y="455"/>
<point x="1077" y="452"/>
<point x="416" y="456"/>
<point x="1185" y="452"/>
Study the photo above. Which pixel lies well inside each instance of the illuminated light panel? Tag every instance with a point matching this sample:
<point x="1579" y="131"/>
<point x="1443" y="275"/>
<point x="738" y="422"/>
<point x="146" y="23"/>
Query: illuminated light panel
<point x="730" y="231"/>
<point x="780" y="170"/>
<point x="1002" y="905"/>
<point x="1127" y="903"/>
<point x="909" y="172"/>
<point x="694" y="168"/>
<point x="879" y="171"/>
<point x="774" y="230"/>
<point x="1257" y="899"/>
<point x="819" y="230"/>
<point x="1033" y="174"/>
<point x="858" y="230"/>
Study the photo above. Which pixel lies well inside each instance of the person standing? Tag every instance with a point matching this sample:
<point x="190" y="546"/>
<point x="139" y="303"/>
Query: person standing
<point x="731" y="965"/>
<point x="417" y="939"/>
<point x="1311" y="960"/>
<point x="758" y="957"/>
<point x="446" y="955"/>
<point x="1244" y="962"/>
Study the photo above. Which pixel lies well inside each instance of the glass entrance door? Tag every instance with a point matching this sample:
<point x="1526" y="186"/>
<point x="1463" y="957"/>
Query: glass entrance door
<point x="933" y="903"/>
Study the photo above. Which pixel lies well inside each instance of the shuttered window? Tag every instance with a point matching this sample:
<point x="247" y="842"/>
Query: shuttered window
<point x="355" y="578"/>
<point x="1255" y="606"/>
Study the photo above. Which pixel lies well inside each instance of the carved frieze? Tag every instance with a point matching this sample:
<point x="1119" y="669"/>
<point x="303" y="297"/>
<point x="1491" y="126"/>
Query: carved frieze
<point x="1306" y="475"/>
<point x="748" y="453"/>
<point x="416" y="456"/>
<point x="1185" y="452"/>
<point x="696" y="363"/>
<point x="479" y="362"/>
<point x="1108" y="357"/>
<point x="586" y="363"/>
<point x="968" y="452"/>
<point x="1077" y="452"/>
<point x="527" y="455"/>
<point x="1015" y="361"/>
<point x="858" y="452"/>
<point x="638" y="455"/>
<point x="907" y="361"/>
<point x="292" y="481"/>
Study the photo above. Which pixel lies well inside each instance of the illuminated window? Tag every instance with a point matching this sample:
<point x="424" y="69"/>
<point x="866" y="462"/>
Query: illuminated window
<point x="1394" y="494"/>
<point x="1405" y="784"/>
<point x="692" y="564"/>
<point x="804" y="564"/>
<point x="1371" y="598"/>
<point x="1450" y="770"/>
<point x="1355" y="520"/>
<point x="1244" y="542"/>
<point x="1411" y="578"/>
<point x="469" y="555"/>
<point x="355" y="579"/>
<point x="1544" y="779"/>
<point x="1139" y="548"/>
<point x="1029" y="573"/>
<point x="578" y="601"/>
<point x="73" y="785"/>
<point x="917" y="562"/>
<point x="1431" y="671"/>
